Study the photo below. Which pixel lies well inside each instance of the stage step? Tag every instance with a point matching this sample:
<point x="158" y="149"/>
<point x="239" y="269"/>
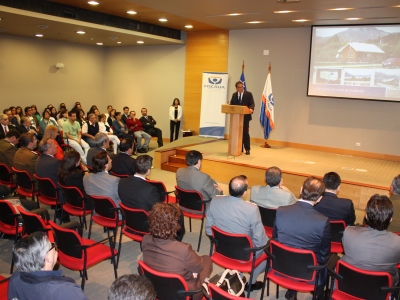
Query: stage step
<point x="175" y="161"/>
<point x="172" y="167"/>
<point x="179" y="159"/>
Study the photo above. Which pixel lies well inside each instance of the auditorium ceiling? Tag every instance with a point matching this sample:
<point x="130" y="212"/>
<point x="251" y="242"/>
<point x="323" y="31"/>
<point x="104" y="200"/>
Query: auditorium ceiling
<point x="201" y="15"/>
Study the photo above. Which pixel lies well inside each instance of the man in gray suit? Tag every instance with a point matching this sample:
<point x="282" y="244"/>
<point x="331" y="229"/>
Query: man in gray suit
<point x="191" y="178"/>
<point x="102" y="143"/>
<point x="233" y="214"/>
<point x="373" y="248"/>
<point x="100" y="183"/>
<point x="273" y="195"/>
<point x="395" y="198"/>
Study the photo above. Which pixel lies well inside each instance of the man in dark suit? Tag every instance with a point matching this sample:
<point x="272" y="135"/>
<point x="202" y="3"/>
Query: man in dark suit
<point x="5" y="125"/>
<point x="26" y="127"/>
<point x="102" y="143"/>
<point x="301" y="226"/>
<point x="8" y="148"/>
<point x="125" y="115"/>
<point x="331" y="205"/>
<point x="244" y="98"/>
<point x="123" y="163"/>
<point x="148" y="125"/>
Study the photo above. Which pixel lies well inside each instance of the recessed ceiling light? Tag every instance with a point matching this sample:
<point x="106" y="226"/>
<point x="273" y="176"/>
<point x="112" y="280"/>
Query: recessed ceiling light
<point x="254" y="22"/>
<point x="131" y="12"/>
<point x="235" y="14"/>
<point x="140" y="42"/>
<point x="283" y="11"/>
<point x="93" y="3"/>
<point x="300" y="20"/>
<point x="118" y="42"/>
<point x="352" y="19"/>
<point x="39" y="35"/>
<point x="162" y="20"/>
<point x="80" y="32"/>
<point x="189" y="26"/>
<point x="341" y="8"/>
<point x="100" y="44"/>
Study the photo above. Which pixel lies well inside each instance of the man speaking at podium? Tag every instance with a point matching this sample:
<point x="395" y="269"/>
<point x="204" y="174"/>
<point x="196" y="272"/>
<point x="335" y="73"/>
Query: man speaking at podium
<point x="244" y="98"/>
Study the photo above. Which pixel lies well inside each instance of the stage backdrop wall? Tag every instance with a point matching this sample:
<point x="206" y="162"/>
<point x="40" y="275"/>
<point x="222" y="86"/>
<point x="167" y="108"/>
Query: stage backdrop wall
<point x="337" y="123"/>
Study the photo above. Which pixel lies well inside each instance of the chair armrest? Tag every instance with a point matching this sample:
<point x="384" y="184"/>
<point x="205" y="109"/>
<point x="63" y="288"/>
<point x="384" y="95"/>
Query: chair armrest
<point x="390" y="289"/>
<point x="96" y="243"/>
<point x="190" y="293"/>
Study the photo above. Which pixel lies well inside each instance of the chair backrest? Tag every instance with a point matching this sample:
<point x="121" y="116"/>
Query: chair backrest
<point x="47" y="187"/>
<point x="119" y="175"/>
<point x="337" y="229"/>
<point x="268" y="216"/>
<point x="189" y="199"/>
<point x="4" y="288"/>
<point x="68" y="241"/>
<point x="73" y="196"/>
<point x="218" y="294"/>
<point x="292" y="262"/>
<point x="361" y="283"/>
<point x="33" y="222"/>
<point x="168" y="286"/>
<point x="5" y="175"/>
<point x="24" y="180"/>
<point x="162" y="190"/>
<point x="6" y="214"/>
<point x="136" y="219"/>
<point x="232" y="245"/>
<point x="104" y="206"/>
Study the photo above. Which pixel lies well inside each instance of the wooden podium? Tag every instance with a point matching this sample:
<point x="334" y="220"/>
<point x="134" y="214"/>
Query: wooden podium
<point x="236" y="113"/>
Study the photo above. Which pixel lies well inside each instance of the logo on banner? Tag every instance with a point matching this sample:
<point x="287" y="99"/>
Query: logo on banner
<point x="214" y="83"/>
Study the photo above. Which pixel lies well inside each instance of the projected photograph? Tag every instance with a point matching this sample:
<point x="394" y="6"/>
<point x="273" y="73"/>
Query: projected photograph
<point x="360" y="62"/>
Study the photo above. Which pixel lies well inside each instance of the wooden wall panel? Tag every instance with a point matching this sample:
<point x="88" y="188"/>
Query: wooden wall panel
<point x="205" y="51"/>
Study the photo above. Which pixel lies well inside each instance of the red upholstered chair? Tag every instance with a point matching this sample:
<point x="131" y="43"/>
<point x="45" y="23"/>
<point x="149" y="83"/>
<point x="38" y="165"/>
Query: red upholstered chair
<point x="34" y="222"/>
<point x="48" y="193"/>
<point x="6" y="177"/>
<point x="79" y="254"/>
<point x="4" y="288"/>
<point x="119" y="175"/>
<point x="26" y="184"/>
<point x="235" y="252"/>
<point x="192" y="206"/>
<point x="337" y="229"/>
<point x="218" y="294"/>
<point x="75" y="203"/>
<point x="398" y="265"/>
<point x="268" y="216"/>
<point x="168" y="286"/>
<point x="292" y="268"/>
<point x="65" y="146"/>
<point x="136" y="223"/>
<point x="357" y="284"/>
<point x="162" y="190"/>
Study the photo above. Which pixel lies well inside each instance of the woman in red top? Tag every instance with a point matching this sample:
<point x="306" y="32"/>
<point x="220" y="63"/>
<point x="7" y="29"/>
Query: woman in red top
<point x="51" y="132"/>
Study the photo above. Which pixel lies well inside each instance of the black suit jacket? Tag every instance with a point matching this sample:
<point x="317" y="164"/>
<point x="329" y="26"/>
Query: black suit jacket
<point x="336" y="208"/>
<point x="301" y="226"/>
<point x="47" y="167"/>
<point x="2" y="133"/>
<point x="247" y="100"/>
<point x="124" y="118"/>
<point x="123" y="164"/>
<point x="135" y="192"/>
<point x="22" y="129"/>
<point x="148" y="123"/>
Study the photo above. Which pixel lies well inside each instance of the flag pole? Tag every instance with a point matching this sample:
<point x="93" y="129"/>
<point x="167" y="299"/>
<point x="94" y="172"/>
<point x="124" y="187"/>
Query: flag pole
<point x="266" y="145"/>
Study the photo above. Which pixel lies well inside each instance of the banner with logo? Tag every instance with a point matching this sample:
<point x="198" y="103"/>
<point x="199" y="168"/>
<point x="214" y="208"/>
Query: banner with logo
<point x="214" y="94"/>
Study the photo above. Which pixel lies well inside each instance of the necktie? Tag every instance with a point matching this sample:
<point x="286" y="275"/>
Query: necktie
<point x="240" y="98"/>
<point x="5" y="130"/>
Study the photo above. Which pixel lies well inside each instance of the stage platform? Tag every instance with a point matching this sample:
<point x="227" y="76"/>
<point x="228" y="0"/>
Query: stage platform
<point x="361" y="177"/>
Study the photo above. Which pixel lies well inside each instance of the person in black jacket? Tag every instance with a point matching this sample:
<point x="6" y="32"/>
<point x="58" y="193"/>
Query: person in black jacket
<point x="123" y="162"/>
<point x="148" y="125"/>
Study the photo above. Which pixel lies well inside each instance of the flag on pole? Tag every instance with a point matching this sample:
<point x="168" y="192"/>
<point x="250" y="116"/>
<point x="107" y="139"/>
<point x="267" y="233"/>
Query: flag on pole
<point x="242" y="78"/>
<point x="267" y="108"/>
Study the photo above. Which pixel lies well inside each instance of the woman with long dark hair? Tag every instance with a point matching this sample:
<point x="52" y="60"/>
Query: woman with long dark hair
<point x="120" y="128"/>
<point x="175" y="116"/>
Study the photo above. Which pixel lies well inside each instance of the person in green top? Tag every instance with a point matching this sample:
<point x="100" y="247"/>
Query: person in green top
<point x="73" y="136"/>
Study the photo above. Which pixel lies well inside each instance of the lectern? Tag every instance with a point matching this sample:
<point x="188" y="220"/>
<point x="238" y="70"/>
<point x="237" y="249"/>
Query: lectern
<point x="236" y="113"/>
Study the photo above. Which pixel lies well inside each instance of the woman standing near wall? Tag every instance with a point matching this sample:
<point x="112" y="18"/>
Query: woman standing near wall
<point x="175" y="116"/>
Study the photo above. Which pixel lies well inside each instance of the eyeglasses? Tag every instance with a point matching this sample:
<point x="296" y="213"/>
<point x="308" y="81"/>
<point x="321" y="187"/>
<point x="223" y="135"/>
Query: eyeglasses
<point x="53" y="246"/>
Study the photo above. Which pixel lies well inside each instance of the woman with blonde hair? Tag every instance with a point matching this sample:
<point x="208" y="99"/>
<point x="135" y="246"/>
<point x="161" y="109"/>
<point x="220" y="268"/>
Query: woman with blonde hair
<point x="51" y="132"/>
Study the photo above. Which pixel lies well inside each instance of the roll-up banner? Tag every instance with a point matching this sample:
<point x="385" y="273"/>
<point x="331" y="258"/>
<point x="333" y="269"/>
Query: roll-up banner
<point x="214" y="94"/>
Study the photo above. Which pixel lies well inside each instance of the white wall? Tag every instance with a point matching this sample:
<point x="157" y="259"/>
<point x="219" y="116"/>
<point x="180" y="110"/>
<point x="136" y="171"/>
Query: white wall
<point x="330" y="122"/>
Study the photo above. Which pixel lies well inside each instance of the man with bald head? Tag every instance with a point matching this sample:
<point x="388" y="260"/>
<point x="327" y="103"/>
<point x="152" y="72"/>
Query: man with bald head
<point x="234" y="215"/>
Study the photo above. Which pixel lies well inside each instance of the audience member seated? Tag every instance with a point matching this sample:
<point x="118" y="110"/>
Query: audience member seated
<point x="5" y="194"/>
<point x="101" y="144"/>
<point x="125" y="114"/>
<point x="191" y="178"/>
<point x="132" y="286"/>
<point x="275" y="194"/>
<point x="11" y="118"/>
<point x="149" y="126"/>
<point x="394" y="196"/>
<point x="51" y="132"/>
<point x="80" y="117"/>
<point x="109" y="109"/>
<point x="162" y="252"/>
<point x="5" y="125"/>
<point x="35" y="257"/>
<point x="26" y="127"/>
<point x="136" y="127"/>
<point x="234" y="215"/>
<point x="331" y="205"/>
<point x="123" y="163"/>
<point x="373" y="248"/>
<point x="90" y="129"/>
<point x="104" y="128"/>
<point x="73" y="136"/>
<point x="29" y="114"/>
<point x="119" y="127"/>
<point x="25" y="158"/>
<point x="8" y="148"/>
<point x="111" y="117"/>
<point x="100" y="183"/>
<point x="63" y="118"/>
<point x="46" y="121"/>
<point x="301" y="226"/>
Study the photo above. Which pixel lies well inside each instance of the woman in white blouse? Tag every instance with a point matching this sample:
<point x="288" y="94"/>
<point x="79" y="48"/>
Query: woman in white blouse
<point x="105" y="128"/>
<point x="175" y="116"/>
